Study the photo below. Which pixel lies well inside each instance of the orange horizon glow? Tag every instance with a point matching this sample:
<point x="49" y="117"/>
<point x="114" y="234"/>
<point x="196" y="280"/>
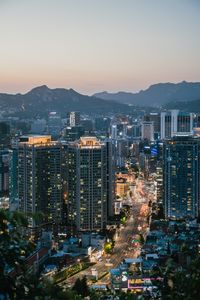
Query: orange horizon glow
<point x="93" y="46"/>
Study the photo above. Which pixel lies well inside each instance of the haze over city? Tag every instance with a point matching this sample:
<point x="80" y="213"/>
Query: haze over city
<point x="93" y="46"/>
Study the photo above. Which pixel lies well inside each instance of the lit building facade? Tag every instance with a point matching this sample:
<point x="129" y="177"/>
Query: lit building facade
<point x="36" y="161"/>
<point x="181" y="177"/>
<point x="4" y="172"/>
<point x="74" y="118"/>
<point x="114" y="131"/>
<point x="175" y="122"/>
<point x="159" y="172"/>
<point x="121" y="151"/>
<point x="122" y="187"/>
<point x="88" y="184"/>
<point x="147" y="131"/>
<point x="155" y="118"/>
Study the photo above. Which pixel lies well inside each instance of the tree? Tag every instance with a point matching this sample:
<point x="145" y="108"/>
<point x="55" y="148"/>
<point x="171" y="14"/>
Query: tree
<point x="13" y="250"/>
<point x="107" y="247"/>
<point x="182" y="285"/>
<point x="15" y="246"/>
<point x="127" y="296"/>
<point x="77" y="286"/>
<point x="81" y="287"/>
<point x="85" y="289"/>
<point x="141" y="239"/>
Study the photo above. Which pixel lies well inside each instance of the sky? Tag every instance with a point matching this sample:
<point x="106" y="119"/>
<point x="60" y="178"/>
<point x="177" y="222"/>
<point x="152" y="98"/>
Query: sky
<point x="98" y="45"/>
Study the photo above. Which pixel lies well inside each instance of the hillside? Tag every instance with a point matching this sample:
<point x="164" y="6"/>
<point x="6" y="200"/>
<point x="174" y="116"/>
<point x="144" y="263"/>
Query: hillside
<point x="189" y="106"/>
<point x="42" y="100"/>
<point x="157" y="94"/>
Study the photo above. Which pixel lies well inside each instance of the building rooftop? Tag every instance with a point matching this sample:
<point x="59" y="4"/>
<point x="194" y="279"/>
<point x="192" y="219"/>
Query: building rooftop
<point x="35" y="139"/>
<point x="88" y="142"/>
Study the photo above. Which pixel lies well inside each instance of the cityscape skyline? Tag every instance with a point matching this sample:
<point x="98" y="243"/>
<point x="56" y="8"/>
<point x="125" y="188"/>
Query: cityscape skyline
<point x="94" y="46"/>
<point x="99" y="191"/>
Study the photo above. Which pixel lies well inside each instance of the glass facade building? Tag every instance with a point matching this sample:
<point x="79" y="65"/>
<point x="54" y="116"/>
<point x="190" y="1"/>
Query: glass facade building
<point x="175" y="122"/>
<point x="181" y="156"/>
<point x="4" y="172"/>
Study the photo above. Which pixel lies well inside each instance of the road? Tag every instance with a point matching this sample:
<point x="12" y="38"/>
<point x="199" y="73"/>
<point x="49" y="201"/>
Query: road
<point x="124" y="247"/>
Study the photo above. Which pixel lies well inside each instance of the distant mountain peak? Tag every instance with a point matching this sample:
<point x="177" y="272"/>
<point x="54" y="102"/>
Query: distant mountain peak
<point x="40" y="100"/>
<point x="156" y="94"/>
<point x="72" y="91"/>
<point x="42" y="88"/>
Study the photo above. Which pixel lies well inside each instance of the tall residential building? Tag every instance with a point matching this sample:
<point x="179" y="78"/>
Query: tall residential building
<point x="175" y="122"/>
<point x="36" y="161"/>
<point x="88" y="183"/>
<point x="181" y="177"/>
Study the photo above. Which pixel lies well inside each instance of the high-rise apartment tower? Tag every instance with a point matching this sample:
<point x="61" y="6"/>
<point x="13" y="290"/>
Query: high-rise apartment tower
<point x="88" y="183"/>
<point x="37" y="164"/>
<point x="181" y="157"/>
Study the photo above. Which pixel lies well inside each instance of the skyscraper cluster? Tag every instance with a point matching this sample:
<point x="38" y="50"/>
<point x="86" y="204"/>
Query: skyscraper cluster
<point x="177" y="161"/>
<point x="71" y="179"/>
<point x="70" y="183"/>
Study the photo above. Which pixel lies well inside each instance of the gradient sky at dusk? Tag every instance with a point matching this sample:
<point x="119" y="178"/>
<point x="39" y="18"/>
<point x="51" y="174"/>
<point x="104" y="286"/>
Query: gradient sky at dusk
<point x="95" y="45"/>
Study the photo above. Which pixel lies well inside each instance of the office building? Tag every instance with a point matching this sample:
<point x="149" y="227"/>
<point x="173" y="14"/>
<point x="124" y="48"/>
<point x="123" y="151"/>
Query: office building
<point x="181" y="177"/>
<point x="155" y="118"/>
<point x="4" y="172"/>
<point x="110" y="175"/>
<point x="4" y="135"/>
<point x="102" y="124"/>
<point x="36" y="162"/>
<point x="121" y="151"/>
<point x="147" y="131"/>
<point x="136" y="129"/>
<point x="74" y="118"/>
<point x="175" y="122"/>
<point x="71" y="134"/>
<point x="88" y="184"/>
<point x="54" y="124"/>
<point x="159" y="171"/>
<point x="88" y="125"/>
<point x="114" y="131"/>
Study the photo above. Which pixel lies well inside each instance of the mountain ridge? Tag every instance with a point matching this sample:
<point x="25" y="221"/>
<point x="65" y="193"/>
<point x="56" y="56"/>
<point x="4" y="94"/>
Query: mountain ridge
<point x="157" y="94"/>
<point x="41" y="100"/>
